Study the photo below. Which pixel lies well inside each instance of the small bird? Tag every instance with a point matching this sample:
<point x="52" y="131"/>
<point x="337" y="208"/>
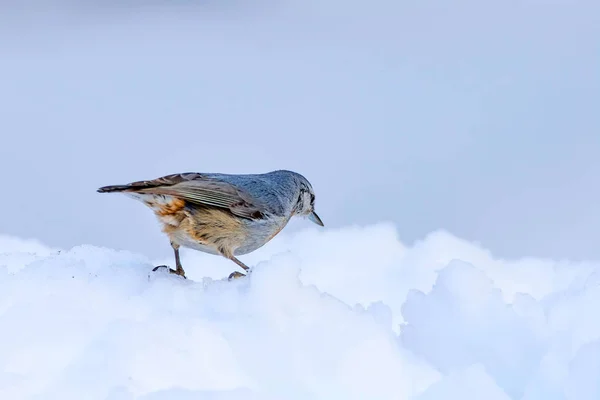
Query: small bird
<point x="223" y="214"/>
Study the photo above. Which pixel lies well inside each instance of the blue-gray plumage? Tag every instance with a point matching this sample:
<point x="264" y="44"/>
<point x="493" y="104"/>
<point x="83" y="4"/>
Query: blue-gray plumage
<point x="223" y="214"/>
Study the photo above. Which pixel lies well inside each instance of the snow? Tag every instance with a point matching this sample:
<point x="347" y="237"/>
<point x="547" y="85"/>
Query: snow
<point x="349" y="313"/>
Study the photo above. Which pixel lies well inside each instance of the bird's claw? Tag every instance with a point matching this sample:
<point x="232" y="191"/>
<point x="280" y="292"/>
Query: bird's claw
<point x="171" y="271"/>
<point x="235" y="275"/>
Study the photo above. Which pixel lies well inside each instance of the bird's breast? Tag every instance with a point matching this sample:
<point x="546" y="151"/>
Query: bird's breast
<point x="260" y="232"/>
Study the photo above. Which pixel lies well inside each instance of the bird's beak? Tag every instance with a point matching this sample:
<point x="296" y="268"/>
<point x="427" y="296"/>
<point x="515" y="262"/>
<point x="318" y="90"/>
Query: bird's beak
<point x="315" y="218"/>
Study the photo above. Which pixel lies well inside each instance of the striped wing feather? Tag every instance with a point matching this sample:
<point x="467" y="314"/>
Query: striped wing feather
<point x="198" y="189"/>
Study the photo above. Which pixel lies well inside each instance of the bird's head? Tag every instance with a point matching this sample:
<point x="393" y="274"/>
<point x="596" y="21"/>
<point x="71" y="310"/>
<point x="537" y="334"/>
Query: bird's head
<point x="305" y="203"/>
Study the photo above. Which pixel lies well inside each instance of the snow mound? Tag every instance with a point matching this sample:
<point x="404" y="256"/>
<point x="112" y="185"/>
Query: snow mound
<point x="336" y="314"/>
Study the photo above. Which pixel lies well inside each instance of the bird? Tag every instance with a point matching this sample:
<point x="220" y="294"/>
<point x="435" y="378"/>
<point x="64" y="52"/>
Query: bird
<point x="222" y="214"/>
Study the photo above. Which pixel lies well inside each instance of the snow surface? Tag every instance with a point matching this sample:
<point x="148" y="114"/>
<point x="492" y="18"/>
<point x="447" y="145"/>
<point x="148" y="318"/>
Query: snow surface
<point x="326" y="314"/>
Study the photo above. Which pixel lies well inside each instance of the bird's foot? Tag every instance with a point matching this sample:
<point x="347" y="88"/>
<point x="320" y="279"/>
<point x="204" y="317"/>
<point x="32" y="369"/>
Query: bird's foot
<point x="235" y="275"/>
<point x="179" y="272"/>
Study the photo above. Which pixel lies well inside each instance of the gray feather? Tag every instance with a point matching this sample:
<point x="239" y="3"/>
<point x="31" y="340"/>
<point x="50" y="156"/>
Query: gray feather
<point x="247" y="195"/>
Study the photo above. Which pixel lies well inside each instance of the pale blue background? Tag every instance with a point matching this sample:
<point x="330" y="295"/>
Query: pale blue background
<point x="481" y="118"/>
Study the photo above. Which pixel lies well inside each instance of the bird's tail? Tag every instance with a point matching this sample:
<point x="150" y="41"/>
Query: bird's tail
<point x="145" y="185"/>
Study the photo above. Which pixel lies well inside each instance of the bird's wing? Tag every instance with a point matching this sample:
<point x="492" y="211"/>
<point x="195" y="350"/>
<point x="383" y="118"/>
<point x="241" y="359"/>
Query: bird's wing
<point x="200" y="189"/>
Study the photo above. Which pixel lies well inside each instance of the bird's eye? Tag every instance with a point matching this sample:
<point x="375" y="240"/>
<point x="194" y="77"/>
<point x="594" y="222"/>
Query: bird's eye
<point x="301" y="196"/>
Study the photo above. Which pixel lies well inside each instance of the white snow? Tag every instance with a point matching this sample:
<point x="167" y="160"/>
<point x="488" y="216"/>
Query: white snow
<point x="328" y="314"/>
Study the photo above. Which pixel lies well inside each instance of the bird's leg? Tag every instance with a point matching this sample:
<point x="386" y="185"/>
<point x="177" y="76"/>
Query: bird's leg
<point x="236" y="274"/>
<point x="241" y="264"/>
<point x="179" y="269"/>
